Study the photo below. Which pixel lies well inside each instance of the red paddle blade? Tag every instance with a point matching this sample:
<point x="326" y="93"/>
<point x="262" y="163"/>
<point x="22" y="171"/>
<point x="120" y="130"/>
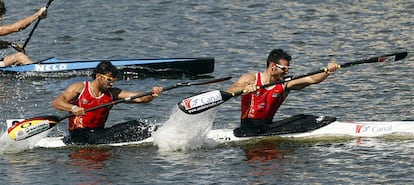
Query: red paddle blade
<point x="30" y="127"/>
<point x="203" y="102"/>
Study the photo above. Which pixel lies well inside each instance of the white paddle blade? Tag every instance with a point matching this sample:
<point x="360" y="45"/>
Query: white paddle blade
<point x="201" y="102"/>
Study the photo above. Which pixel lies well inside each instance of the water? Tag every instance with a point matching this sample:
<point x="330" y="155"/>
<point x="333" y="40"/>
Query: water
<point x="239" y="34"/>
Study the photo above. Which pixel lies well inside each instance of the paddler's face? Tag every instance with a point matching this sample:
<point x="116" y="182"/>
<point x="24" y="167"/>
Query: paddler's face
<point x="281" y="68"/>
<point x="107" y="80"/>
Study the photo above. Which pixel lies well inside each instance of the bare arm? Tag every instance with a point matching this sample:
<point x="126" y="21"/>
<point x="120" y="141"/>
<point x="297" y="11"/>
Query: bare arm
<point x="245" y="80"/>
<point x="71" y="93"/>
<point x="314" y="79"/>
<point x="21" y="24"/>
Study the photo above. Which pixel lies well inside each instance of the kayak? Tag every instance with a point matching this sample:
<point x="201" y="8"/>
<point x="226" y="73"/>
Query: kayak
<point x="298" y="126"/>
<point x="192" y="66"/>
<point x="366" y="129"/>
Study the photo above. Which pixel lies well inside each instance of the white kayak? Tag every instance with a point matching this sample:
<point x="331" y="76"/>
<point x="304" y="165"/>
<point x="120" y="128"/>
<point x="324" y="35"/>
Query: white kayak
<point x="337" y="128"/>
<point x="295" y="127"/>
<point x="57" y="142"/>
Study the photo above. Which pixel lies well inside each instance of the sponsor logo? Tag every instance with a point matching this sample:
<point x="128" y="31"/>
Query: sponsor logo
<point x="386" y="59"/>
<point x="276" y="95"/>
<point x="50" y="67"/>
<point x="204" y="107"/>
<point x="187" y="103"/>
<point x="25" y="125"/>
<point x="372" y="128"/>
<point x="202" y="100"/>
<point x="84" y="101"/>
<point x="32" y="129"/>
<point x="358" y="128"/>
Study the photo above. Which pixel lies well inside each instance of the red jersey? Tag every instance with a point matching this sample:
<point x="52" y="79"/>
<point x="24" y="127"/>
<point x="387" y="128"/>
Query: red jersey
<point x="264" y="103"/>
<point x="92" y="119"/>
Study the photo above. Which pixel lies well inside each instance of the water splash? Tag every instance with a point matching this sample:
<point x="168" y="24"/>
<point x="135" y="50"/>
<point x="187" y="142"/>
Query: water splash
<point x="8" y="145"/>
<point x="183" y="131"/>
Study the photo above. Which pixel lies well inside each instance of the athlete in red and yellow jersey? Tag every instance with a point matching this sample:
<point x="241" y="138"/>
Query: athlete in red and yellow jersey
<point x="89" y="127"/>
<point x="258" y="106"/>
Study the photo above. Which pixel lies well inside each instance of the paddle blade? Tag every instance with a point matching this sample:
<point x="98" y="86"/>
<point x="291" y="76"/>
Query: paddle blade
<point x="400" y="56"/>
<point x="391" y="57"/>
<point x="204" y="101"/>
<point x="30" y="127"/>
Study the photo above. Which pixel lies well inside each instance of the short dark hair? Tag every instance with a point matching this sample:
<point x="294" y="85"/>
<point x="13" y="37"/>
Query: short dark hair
<point x="276" y="54"/>
<point x="3" y="9"/>
<point x="105" y="67"/>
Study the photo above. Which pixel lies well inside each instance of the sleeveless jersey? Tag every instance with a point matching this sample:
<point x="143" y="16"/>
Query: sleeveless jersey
<point x="95" y="118"/>
<point x="264" y="103"/>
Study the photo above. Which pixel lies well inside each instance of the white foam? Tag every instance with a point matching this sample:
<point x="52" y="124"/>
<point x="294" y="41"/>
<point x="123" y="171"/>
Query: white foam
<point x="184" y="131"/>
<point x="8" y="145"/>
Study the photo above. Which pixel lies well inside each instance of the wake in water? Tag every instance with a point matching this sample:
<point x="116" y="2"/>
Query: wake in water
<point x="183" y="131"/>
<point x="8" y="145"/>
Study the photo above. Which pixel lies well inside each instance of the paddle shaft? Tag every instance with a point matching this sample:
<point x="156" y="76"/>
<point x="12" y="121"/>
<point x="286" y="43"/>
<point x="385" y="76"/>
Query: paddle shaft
<point x="35" y="26"/>
<point x="177" y="85"/>
<point x="212" y="99"/>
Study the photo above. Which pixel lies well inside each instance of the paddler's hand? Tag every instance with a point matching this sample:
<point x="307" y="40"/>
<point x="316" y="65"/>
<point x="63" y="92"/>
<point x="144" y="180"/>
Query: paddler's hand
<point x="249" y="88"/>
<point x="18" y="47"/>
<point x="156" y="90"/>
<point x="78" y="111"/>
<point x="42" y="13"/>
<point x="332" y="67"/>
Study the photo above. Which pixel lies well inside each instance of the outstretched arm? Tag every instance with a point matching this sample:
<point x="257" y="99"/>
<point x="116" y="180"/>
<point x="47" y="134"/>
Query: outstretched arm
<point x="314" y="79"/>
<point x="21" y="24"/>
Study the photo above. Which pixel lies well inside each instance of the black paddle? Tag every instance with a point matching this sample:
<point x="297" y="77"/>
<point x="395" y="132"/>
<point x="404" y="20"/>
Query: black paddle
<point x="33" y="126"/>
<point x="35" y="26"/>
<point x="205" y="101"/>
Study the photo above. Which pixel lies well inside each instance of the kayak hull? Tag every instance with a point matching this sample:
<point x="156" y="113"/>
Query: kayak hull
<point x="310" y="126"/>
<point x="192" y="66"/>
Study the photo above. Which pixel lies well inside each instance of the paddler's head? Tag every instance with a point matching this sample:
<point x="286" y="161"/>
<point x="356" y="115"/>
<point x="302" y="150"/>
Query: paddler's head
<point x="278" y="62"/>
<point x="106" y="73"/>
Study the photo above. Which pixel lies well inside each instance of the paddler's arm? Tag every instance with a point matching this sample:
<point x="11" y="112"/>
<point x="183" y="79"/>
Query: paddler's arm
<point x="245" y="82"/>
<point x="21" y="24"/>
<point x="156" y="91"/>
<point x="71" y="93"/>
<point x="314" y="79"/>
